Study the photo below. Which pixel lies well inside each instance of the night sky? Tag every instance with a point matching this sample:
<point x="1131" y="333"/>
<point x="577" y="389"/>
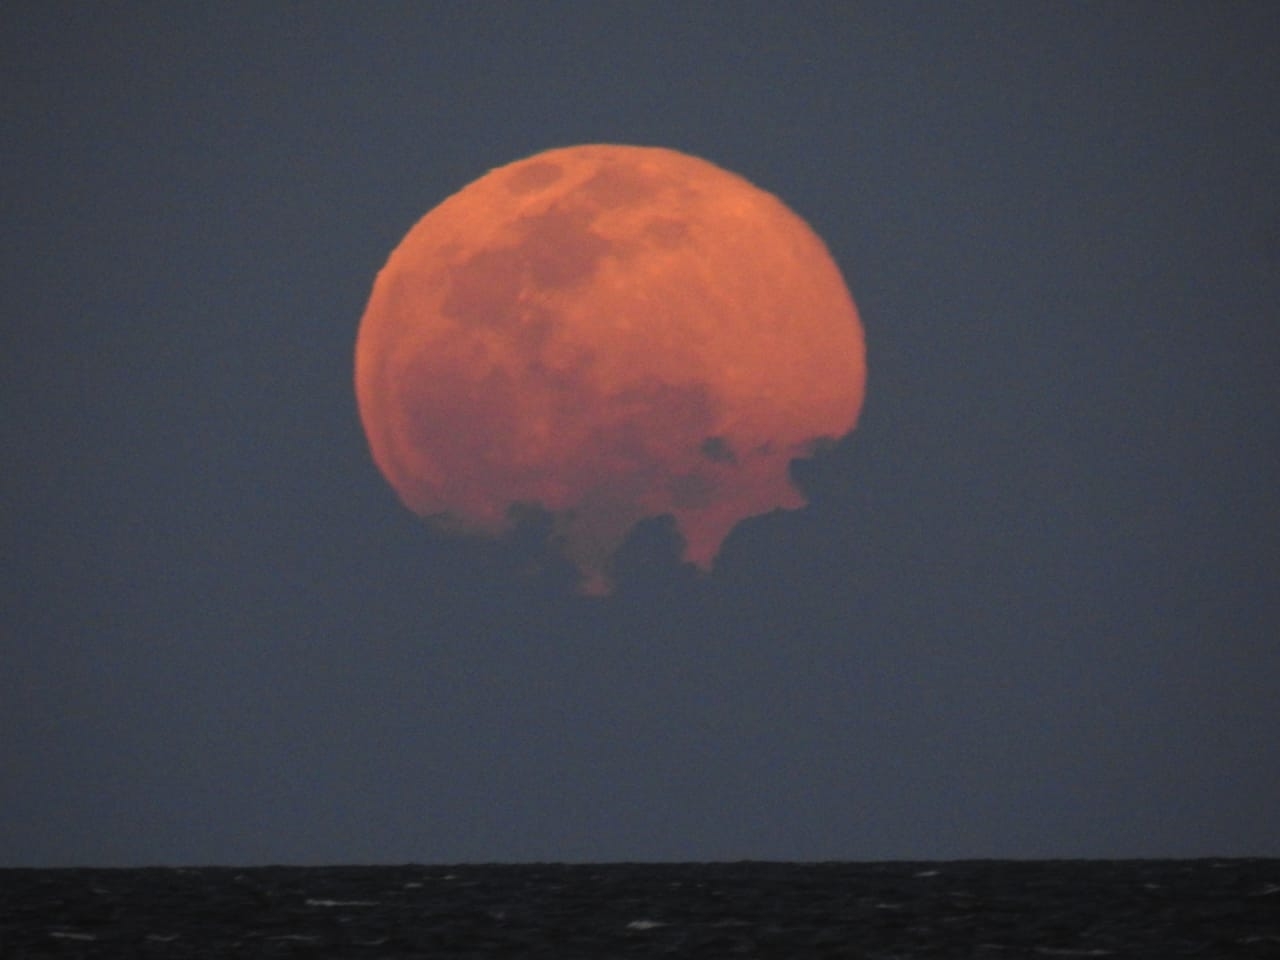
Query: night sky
<point x="1033" y="606"/>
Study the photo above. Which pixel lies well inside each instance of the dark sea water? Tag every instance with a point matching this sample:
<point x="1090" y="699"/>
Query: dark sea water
<point x="983" y="909"/>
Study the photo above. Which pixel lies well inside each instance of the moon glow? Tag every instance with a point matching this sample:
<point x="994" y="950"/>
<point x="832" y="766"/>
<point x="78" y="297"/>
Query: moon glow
<point x="611" y="333"/>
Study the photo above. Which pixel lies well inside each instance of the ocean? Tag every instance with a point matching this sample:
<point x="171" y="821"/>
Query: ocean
<point x="1159" y="909"/>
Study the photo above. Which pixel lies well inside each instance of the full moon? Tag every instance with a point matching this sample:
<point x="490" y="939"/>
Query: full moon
<point x="610" y="333"/>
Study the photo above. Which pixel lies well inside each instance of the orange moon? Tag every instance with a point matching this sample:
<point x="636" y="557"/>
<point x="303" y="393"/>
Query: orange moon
<point x="611" y="333"/>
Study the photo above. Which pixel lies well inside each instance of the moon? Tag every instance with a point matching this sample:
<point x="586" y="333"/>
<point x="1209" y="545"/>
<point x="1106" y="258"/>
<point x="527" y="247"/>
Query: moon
<point x="610" y="333"/>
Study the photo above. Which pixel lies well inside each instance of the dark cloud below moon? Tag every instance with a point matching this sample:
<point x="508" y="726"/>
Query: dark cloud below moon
<point x="719" y="449"/>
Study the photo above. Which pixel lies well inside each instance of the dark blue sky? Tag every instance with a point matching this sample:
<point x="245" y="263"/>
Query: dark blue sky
<point x="1032" y="609"/>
